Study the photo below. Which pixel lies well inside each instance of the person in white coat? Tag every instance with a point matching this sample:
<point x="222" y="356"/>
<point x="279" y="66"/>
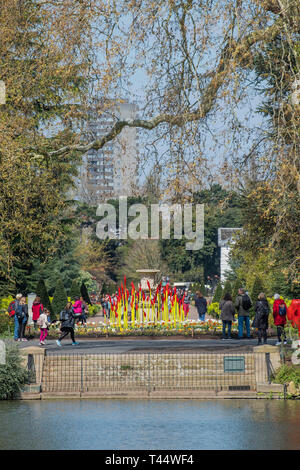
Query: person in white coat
<point x="43" y="323"/>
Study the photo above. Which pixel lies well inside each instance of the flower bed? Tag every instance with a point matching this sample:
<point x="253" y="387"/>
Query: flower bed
<point x="158" y="329"/>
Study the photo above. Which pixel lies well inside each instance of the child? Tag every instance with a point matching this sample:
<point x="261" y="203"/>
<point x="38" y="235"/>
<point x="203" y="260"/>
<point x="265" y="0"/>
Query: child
<point x="43" y="323"/>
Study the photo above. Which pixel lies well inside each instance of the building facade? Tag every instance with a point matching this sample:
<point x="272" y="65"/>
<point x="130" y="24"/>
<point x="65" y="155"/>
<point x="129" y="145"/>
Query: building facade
<point x="112" y="171"/>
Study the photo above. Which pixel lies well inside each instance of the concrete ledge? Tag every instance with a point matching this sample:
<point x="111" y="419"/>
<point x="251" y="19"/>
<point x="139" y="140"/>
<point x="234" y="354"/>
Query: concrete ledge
<point x="239" y="394"/>
<point x="30" y="396"/>
<point x="266" y="388"/>
<point x="32" y="350"/>
<point x="60" y="395"/>
<point x="265" y="348"/>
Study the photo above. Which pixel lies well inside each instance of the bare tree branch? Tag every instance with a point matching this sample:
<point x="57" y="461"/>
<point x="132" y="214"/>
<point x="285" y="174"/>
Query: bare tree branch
<point x="232" y="51"/>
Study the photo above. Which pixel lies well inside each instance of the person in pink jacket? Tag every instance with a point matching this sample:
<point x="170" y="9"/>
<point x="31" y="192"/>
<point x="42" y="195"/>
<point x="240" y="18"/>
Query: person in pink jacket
<point x="37" y="309"/>
<point x="279" y="315"/>
<point x="77" y="309"/>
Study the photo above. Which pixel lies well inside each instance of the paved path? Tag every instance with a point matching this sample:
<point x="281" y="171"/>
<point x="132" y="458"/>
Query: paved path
<point x="161" y="345"/>
<point x="131" y="345"/>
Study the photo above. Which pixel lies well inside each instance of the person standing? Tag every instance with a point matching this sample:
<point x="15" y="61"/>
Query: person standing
<point x="201" y="305"/>
<point x="243" y="305"/>
<point x="84" y="308"/>
<point x="261" y="318"/>
<point x="16" y="319"/>
<point x="227" y="315"/>
<point x="22" y="316"/>
<point x="37" y="308"/>
<point x="279" y="315"/>
<point x="43" y="323"/>
<point x="77" y="309"/>
<point x="67" y="319"/>
<point x="186" y="303"/>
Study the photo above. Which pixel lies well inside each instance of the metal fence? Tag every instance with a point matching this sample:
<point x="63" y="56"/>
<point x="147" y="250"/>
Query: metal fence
<point x="148" y="372"/>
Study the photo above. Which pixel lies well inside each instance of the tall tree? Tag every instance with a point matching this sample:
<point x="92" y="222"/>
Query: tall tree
<point x="59" y="298"/>
<point x="41" y="291"/>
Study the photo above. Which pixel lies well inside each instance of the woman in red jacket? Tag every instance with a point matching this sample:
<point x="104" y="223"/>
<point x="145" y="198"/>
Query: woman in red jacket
<point x="279" y="314"/>
<point x="37" y="308"/>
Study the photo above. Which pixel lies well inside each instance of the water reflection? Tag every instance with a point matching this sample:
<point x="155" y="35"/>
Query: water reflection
<point x="150" y="425"/>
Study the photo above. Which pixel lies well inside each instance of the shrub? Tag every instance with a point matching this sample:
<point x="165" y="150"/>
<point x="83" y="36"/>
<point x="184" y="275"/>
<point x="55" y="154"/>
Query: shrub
<point x="227" y="288"/>
<point x="4" y="303"/>
<point x="237" y="285"/>
<point x="75" y="290"/>
<point x="60" y="298"/>
<point x="85" y="294"/>
<point x="214" y="310"/>
<point x="257" y="288"/>
<point x="6" y="324"/>
<point x="288" y="374"/>
<point x="94" y="309"/>
<point x="12" y="374"/>
<point x="42" y="293"/>
<point x="218" y="293"/>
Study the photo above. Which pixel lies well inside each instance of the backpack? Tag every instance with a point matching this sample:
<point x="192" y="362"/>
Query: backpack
<point x="64" y="316"/>
<point x="282" y="310"/>
<point x="12" y="308"/>
<point x="246" y="302"/>
<point x="39" y="321"/>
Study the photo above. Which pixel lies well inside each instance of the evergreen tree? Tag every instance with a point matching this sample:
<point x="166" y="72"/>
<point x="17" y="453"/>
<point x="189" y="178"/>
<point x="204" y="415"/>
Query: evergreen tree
<point x="237" y="285"/>
<point x="75" y="290"/>
<point x="60" y="298"/>
<point x="202" y="288"/>
<point x="227" y="288"/>
<point x="41" y="292"/>
<point x="257" y="288"/>
<point x="85" y="294"/>
<point x="218" y="293"/>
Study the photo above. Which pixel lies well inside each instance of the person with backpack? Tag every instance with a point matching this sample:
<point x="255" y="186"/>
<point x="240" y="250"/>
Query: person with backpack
<point x="12" y="313"/>
<point x="37" y="308"/>
<point x="243" y="305"/>
<point x="201" y="305"/>
<point x="43" y="324"/>
<point x="67" y="319"/>
<point x="22" y="318"/>
<point x="279" y="315"/>
<point x="261" y="318"/>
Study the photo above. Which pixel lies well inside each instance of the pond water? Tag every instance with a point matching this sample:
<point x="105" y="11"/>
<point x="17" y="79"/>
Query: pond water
<point x="150" y="425"/>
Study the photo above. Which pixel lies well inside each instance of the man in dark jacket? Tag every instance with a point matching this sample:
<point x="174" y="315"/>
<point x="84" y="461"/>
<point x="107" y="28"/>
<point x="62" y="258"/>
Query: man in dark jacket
<point x="243" y="305"/>
<point x="201" y="305"/>
<point x="67" y="319"/>
<point x="260" y="321"/>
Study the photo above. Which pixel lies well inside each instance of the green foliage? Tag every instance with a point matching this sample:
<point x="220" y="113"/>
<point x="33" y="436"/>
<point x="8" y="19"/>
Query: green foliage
<point x="227" y="288"/>
<point x="222" y="208"/>
<point x="85" y="294"/>
<point x="218" y="293"/>
<point x="236" y="286"/>
<point x="59" y="298"/>
<point x="202" y="288"/>
<point x="257" y="288"/>
<point x="75" y="290"/>
<point x="6" y="324"/>
<point x="12" y="375"/>
<point x="288" y="374"/>
<point x="41" y="291"/>
<point x="213" y="309"/>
